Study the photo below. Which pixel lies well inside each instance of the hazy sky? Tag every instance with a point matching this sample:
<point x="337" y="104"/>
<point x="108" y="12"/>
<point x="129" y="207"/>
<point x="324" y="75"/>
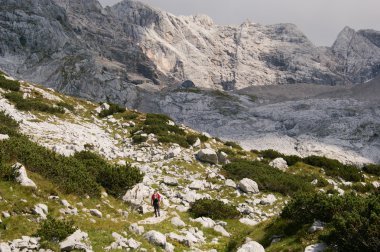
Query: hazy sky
<point x="320" y="20"/>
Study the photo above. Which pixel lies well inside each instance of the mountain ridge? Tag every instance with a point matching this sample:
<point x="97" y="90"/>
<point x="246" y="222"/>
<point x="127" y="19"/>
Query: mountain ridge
<point x="134" y="46"/>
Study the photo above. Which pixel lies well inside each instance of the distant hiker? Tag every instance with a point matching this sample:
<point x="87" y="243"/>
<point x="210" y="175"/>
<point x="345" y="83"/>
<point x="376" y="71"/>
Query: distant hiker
<point x="156" y="199"/>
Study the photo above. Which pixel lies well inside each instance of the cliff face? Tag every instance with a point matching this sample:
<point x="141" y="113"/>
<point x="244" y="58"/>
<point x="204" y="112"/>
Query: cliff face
<point x="103" y="53"/>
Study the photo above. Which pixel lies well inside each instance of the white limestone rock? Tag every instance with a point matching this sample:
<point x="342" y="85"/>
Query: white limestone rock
<point x="41" y="210"/>
<point x="316" y="226"/>
<point x="156" y="238"/>
<point x="207" y="156"/>
<point x="22" y="176"/>
<point x="220" y="229"/>
<point x="205" y="221"/>
<point x="135" y="228"/>
<point x="279" y="163"/>
<point x="76" y="241"/>
<point x="318" y="247"/>
<point x="251" y="246"/>
<point x="174" y="152"/>
<point x="96" y="213"/>
<point x="268" y="200"/>
<point x="230" y="183"/>
<point x="171" y="181"/>
<point x="176" y="221"/>
<point x="4" y="247"/>
<point x="197" y="185"/>
<point x="3" y="137"/>
<point x="138" y="194"/>
<point x="248" y="186"/>
<point x="248" y="221"/>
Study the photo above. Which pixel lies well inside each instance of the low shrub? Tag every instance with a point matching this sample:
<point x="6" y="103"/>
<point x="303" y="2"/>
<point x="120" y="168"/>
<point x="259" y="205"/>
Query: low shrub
<point x="54" y="230"/>
<point x="114" y="108"/>
<point x="81" y="174"/>
<point x="230" y="152"/>
<point x="271" y="154"/>
<point x="360" y="188"/>
<point x="334" y="168"/>
<point x="32" y="104"/>
<point x="353" y="221"/>
<point x="267" y="177"/>
<point x="6" y="172"/>
<point x="11" y="85"/>
<point x="292" y="159"/>
<point x="130" y="115"/>
<point x="66" y="106"/>
<point x="214" y="209"/>
<point x="233" y="145"/>
<point x="191" y="139"/>
<point x="181" y="140"/>
<point x="137" y="139"/>
<point x="119" y="179"/>
<point x="373" y="169"/>
<point x="115" y="179"/>
<point x="203" y="138"/>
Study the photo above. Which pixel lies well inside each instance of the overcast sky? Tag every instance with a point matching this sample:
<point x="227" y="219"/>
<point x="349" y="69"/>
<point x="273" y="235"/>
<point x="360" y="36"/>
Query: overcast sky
<point x="320" y="20"/>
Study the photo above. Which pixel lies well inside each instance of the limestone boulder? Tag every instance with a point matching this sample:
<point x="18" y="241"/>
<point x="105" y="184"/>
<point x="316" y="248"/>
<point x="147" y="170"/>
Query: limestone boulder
<point x="248" y="186"/>
<point x="279" y="163"/>
<point x="208" y="156"/>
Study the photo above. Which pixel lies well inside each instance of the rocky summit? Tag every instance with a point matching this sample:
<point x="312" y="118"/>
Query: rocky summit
<point x="81" y="48"/>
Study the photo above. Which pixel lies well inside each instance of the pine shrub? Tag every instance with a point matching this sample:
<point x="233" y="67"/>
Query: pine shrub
<point x="214" y="209"/>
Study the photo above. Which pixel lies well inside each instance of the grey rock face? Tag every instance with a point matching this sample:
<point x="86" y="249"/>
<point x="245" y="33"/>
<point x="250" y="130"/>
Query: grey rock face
<point x="82" y="49"/>
<point x="358" y="54"/>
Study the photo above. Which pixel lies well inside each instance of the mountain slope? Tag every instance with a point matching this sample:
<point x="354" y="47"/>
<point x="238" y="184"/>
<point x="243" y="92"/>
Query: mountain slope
<point x="82" y="49"/>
